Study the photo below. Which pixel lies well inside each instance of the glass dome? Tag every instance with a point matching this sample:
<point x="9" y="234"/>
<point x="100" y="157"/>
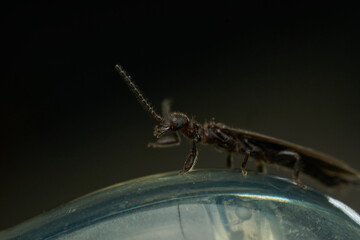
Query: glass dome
<point x="203" y="204"/>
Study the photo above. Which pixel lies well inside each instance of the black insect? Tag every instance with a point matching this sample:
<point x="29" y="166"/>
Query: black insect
<point x="326" y="169"/>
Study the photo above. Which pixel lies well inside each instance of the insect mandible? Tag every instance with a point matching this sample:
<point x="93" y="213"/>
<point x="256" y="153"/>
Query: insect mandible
<point x="264" y="149"/>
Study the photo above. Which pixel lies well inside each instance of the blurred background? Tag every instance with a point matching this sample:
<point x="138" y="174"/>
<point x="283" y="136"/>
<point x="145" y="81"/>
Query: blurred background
<point x="70" y="126"/>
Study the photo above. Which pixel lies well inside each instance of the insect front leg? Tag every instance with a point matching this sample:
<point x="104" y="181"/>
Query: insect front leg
<point x="191" y="159"/>
<point x="168" y="140"/>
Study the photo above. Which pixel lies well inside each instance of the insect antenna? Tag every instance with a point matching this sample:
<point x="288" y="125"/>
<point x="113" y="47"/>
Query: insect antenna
<point x="146" y="105"/>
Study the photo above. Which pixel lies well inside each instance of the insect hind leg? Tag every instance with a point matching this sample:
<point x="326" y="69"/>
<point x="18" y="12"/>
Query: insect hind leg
<point x="296" y="167"/>
<point x="260" y="166"/>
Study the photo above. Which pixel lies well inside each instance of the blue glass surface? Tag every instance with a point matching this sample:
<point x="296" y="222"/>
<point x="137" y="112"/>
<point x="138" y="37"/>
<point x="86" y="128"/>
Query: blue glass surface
<point x="203" y="204"/>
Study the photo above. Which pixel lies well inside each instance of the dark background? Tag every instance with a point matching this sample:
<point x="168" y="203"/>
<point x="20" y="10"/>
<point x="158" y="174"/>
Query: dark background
<point x="69" y="125"/>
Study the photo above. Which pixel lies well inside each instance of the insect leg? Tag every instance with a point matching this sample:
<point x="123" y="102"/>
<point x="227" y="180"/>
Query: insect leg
<point x="296" y="172"/>
<point x="260" y="166"/>
<point x="243" y="165"/>
<point x="297" y="166"/>
<point x="169" y="140"/>
<point x="229" y="160"/>
<point x="191" y="159"/>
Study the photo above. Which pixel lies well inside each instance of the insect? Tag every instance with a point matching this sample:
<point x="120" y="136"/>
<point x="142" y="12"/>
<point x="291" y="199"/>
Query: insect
<point x="264" y="149"/>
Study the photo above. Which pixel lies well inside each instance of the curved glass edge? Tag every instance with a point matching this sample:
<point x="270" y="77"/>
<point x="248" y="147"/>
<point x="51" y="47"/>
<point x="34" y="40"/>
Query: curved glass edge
<point x="156" y="188"/>
<point x="345" y="209"/>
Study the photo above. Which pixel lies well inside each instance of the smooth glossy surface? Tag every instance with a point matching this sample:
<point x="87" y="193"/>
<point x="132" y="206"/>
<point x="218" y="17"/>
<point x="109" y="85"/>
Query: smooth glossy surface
<point x="205" y="204"/>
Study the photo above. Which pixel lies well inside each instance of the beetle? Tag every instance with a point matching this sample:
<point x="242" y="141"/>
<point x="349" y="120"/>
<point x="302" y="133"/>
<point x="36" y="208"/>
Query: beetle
<point x="264" y="149"/>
